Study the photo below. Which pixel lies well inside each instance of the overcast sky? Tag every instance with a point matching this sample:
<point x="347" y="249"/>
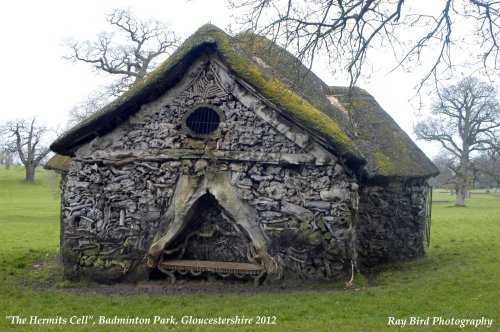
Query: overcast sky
<point x="36" y="81"/>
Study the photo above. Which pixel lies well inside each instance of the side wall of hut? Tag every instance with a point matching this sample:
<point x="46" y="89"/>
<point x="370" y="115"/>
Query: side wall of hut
<point x="391" y="222"/>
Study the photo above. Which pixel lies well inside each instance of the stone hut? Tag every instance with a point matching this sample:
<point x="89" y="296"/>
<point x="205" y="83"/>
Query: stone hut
<point x="232" y="158"/>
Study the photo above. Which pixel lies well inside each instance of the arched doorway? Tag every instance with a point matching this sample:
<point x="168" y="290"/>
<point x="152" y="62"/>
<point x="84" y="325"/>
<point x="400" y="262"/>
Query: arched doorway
<point x="211" y="235"/>
<point x="207" y="228"/>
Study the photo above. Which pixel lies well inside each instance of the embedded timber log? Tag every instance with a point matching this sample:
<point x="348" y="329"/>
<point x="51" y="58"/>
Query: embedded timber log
<point x="134" y="156"/>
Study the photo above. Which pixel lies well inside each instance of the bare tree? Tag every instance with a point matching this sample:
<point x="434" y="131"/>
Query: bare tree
<point x="465" y="120"/>
<point x="130" y="52"/>
<point x="6" y="157"/>
<point x="92" y="103"/>
<point x="25" y="138"/>
<point x="488" y="167"/>
<point x="346" y="31"/>
<point x="447" y="172"/>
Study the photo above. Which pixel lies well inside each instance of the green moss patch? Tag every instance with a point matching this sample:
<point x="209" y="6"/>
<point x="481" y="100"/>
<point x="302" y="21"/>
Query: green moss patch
<point x="58" y="163"/>
<point x="389" y="150"/>
<point x="383" y="163"/>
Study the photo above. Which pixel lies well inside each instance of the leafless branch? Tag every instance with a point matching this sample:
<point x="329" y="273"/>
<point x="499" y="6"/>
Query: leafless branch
<point x="347" y="31"/>
<point x="129" y="51"/>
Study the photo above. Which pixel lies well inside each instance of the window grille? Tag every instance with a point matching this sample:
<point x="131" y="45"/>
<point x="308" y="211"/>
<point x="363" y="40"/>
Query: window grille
<point x="203" y="121"/>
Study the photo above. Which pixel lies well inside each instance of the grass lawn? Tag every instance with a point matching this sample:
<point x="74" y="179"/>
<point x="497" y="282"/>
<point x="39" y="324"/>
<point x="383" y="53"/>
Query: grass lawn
<point x="459" y="277"/>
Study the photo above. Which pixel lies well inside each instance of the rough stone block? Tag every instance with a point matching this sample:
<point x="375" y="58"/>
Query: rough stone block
<point x="334" y="194"/>
<point x="296" y="210"/>
<point x="324" y="205"/>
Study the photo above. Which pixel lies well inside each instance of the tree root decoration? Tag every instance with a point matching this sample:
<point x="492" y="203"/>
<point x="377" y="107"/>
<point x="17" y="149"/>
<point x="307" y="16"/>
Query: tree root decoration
<point x="183" y="246"/>
<point x="119" y="171"/>
<point x="72" y="209"/>
<point x="146" y="165"/>
<point x="350" y="283"/>
<point x="296" y="259"/>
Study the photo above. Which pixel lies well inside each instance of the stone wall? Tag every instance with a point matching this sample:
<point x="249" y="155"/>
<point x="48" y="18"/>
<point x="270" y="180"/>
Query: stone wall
<point x="391" y="222"/>
<point x="305" y="211"/>
<point x="111" y="214"/>
<point x="242" y="130"/>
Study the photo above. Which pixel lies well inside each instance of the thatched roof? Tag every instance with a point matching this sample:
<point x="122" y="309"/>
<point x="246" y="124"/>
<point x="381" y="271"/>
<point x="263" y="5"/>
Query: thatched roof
<point x="354" y="127"/>
<point x="388" y="150"/>
<point x="58" y="163"/>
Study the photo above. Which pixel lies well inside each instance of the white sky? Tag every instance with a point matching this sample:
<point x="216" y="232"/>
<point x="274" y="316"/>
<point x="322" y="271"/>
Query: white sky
<point x="36" y="81"/>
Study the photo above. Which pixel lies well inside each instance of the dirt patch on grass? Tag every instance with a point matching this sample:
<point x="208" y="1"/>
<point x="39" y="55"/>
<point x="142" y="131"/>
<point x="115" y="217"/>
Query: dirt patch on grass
<point x="157" y="287"/>
<point x="44" y="273"/>
<point x="193" y="286"/>
<point x="440" y="202"/>
<point x="52" y="278"/>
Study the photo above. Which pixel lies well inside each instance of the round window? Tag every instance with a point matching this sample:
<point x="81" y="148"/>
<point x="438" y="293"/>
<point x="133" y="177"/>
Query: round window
<point x="202" y="121"/>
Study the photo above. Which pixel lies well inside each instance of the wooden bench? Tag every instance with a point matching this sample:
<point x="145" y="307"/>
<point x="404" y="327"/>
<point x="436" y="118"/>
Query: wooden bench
<point x="223" y="269"/>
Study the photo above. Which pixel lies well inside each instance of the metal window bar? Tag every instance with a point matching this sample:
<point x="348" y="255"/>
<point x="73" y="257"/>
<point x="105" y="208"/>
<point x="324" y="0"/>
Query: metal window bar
<point x="203" y="121"/>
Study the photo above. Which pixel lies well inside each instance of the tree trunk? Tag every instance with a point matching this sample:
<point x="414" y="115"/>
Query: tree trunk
<point x="30" y="172"/>
<point x="460" y="197"/>
<point x="462" y="180"/>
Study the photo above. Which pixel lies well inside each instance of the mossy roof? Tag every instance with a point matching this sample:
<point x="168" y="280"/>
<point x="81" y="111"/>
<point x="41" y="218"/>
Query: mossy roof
<point x="388" y="150"/>
<point x="296" y="92"/>
<point x="58" y="163"/>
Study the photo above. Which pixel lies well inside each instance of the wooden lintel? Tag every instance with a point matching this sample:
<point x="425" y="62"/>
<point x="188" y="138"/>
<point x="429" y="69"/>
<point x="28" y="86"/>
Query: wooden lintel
<point x="129" y="156"/>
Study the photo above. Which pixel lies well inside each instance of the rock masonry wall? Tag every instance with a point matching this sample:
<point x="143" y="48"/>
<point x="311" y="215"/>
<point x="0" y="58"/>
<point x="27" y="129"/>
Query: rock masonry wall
<point x="242" y="130"/>
<point x="391" y="223"/>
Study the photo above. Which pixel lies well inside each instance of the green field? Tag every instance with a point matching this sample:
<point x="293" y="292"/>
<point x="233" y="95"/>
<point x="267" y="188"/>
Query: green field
<point x="459" y="277"/>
